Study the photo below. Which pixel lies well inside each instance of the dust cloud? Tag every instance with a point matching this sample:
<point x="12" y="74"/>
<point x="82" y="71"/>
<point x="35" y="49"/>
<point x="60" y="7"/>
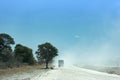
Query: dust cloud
<point x="104" y="52"/>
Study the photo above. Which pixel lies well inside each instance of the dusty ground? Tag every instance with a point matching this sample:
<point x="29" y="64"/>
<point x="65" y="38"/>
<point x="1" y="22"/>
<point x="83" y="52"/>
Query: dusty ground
<point x="76" y="73"/>
<point x="22" y="73"/>
<point x="28" y="75"/>
<point x="66" y="73"/>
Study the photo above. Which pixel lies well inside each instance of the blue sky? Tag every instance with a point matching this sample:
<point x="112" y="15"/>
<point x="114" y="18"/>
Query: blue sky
<point x="74" y="26"/>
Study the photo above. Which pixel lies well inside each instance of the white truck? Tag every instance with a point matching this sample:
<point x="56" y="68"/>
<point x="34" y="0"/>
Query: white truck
<point x="60" y="63"/>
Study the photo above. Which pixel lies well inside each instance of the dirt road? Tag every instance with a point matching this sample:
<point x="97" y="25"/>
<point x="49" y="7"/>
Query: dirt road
<point x="76" y="73"/>
<point x="67" y="73"/>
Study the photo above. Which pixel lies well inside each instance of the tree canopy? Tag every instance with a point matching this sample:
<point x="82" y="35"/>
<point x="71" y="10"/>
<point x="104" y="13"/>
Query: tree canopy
<point x="47" y="52"/>
<point x="5" y="48"/>
<point x="6" y="39"/>
<point x="24" y="54"/>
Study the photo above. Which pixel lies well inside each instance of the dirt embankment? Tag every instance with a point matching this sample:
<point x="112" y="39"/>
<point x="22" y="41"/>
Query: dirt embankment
<point x="20" y="69"/>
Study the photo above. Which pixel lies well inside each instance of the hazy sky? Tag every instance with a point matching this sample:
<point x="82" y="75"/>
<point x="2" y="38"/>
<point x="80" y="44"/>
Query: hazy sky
<point x="80" y="29"/>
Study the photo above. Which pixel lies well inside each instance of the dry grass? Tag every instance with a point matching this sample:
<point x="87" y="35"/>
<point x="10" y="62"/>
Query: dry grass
<point x="110" y="70"/>
<point x="20" y="69"/>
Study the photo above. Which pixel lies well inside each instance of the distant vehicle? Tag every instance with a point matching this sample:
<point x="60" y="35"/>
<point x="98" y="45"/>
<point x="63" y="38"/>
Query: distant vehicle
<point x="60" y="63"/>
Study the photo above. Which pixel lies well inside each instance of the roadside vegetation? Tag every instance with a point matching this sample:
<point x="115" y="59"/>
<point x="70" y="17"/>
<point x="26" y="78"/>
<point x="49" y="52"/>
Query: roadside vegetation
<point x="22" y="56"/>
<point x="21" y="69"/>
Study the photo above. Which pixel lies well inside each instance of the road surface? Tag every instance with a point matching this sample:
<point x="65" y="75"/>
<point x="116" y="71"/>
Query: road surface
<point x="66" y="73"/>
<point x="76" y="73"/>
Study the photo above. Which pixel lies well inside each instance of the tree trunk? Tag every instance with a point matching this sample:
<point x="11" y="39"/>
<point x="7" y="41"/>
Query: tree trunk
<point x="46" y="64"/>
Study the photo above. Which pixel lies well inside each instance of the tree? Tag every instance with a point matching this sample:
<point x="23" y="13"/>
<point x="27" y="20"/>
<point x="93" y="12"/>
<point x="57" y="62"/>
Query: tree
<point x="5" y="48"/>
<point x="6" y="54"/>
<point x="6" y="39"/>
<point x="1" y="43"/>
<point x="46" y="52"/>
<point x="24" y="54"/>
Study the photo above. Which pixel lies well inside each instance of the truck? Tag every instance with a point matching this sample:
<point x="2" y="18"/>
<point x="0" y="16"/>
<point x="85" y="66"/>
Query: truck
<point x="60" y="63"/>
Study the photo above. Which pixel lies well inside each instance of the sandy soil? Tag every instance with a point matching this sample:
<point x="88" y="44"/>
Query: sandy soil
<point x="66" y="73"/>
<point x="28" y="75"/>
<point x="75" y="73"/>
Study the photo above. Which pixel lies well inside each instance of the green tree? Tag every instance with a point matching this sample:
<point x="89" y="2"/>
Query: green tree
<point x="46" y="52"/>
<point x="6" y="39"/>
<point x="24" y="54"/>
<point x="5" y="47"/>
<point x="6" y="54"/>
